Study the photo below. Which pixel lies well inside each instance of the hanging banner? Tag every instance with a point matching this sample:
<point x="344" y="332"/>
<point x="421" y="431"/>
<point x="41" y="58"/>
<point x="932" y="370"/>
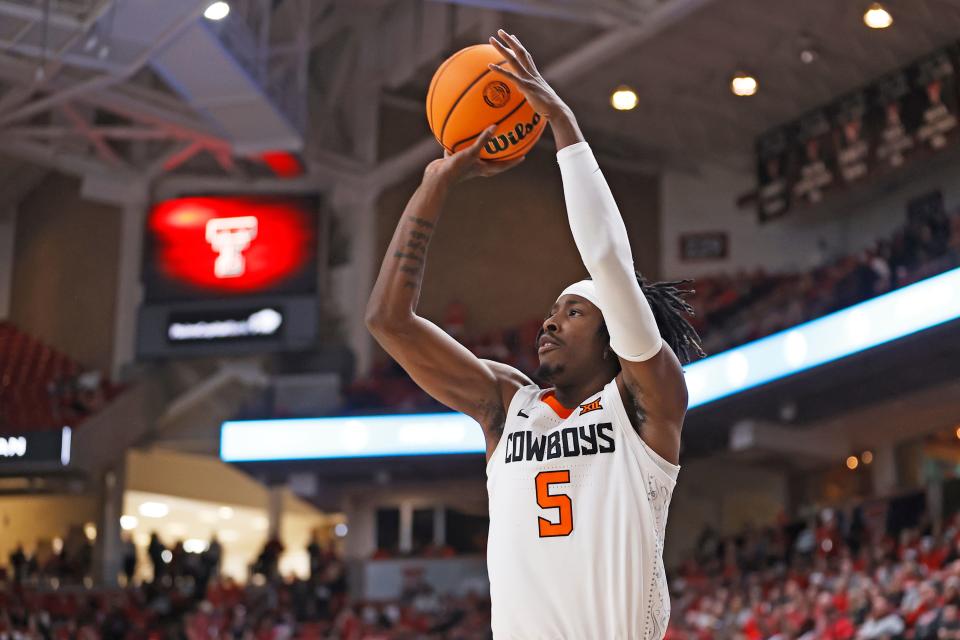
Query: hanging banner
<point x="903" y="118"/>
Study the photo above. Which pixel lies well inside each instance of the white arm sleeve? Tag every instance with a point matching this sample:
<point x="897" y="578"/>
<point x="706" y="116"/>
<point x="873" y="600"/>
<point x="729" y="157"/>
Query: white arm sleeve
<point x="601" y="238"/>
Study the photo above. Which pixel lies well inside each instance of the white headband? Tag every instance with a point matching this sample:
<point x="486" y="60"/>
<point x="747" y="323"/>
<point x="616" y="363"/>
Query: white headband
<point x="585" y="289"/>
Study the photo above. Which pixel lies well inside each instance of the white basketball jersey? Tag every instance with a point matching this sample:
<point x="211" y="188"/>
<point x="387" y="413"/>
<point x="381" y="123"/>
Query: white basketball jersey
<point x="578" y="508"/>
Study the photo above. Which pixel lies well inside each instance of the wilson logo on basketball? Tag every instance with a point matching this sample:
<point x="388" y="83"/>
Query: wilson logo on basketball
<point x="590" y="406"/>
<point x="496" y="94"/>
<point x="513" y="137"/>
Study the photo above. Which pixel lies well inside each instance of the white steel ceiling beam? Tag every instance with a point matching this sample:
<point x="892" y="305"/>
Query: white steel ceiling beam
<point x="51" y="65"/>
<point x="130" y="101"/>
<point x="70" y="163"/>
<point x="112" y="132"/>
<point x="59" y="18"/>
<point x="101" y="82"/>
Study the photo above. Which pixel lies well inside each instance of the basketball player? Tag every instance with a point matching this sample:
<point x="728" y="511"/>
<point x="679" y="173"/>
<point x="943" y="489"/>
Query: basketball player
<point x="579" y="475"/>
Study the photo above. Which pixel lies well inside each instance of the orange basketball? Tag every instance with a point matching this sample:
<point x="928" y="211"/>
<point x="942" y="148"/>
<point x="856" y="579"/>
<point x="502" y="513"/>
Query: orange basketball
<point x="466" y="97"/>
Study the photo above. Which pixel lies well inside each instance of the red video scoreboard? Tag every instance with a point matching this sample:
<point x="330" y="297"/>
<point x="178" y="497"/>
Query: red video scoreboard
<point x="230" y="275"/>
<point x="214" y="247"/>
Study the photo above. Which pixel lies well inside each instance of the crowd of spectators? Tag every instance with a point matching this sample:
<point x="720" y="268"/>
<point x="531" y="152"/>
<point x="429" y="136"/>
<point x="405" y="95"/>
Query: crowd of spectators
<point x="827" y="580"/>
<point x="864" y="574"/>
<point x="178" y="605"/>
<point x="255" y="611"/>
<point x="66" y="560"/>
<point x="730" y="309"/>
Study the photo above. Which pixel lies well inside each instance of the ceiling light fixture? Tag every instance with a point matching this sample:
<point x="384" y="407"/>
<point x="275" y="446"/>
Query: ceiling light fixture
<point x="624" y="98"/>
<point x="743" y="84"/>
<point x="877" y="17"/>
<point x="807" y="48"/>
<point x="217" y="11"/>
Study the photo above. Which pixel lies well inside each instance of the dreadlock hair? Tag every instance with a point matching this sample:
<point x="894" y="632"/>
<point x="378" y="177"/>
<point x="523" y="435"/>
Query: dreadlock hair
<point x="670" y="309"/>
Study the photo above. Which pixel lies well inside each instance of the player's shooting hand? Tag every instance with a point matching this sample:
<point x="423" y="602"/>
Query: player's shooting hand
<point x="521" y="69"/>
<point x="467" y="163"/>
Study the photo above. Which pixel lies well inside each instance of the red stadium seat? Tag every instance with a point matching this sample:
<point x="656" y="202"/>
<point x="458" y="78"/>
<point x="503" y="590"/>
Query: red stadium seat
<point x="31" y="373"/>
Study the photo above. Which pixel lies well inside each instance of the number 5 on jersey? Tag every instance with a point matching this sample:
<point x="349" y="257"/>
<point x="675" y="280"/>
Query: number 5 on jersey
<point x="561" y="502"/>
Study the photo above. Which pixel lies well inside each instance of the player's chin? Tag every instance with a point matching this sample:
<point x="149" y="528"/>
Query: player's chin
<point x="549" y="356"/>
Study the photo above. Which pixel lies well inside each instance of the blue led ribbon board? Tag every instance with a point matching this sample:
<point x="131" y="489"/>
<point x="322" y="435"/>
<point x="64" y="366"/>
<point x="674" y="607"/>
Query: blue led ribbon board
<point x="885" y="318"/>
<point x="350" y="437"/>
<point x="882" y="319"/>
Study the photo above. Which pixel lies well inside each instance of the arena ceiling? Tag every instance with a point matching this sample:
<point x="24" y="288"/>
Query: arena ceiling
<point x="84" y="89"/>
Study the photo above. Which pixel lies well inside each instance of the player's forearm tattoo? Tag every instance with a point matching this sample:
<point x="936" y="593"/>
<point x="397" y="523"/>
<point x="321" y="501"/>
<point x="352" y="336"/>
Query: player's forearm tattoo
<point x="414" y="250"/>
<point x="421" y="222"/>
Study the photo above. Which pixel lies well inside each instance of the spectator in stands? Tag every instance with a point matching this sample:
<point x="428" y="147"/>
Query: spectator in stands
<point x="155" y="552"/>
<point x="76" y="557"/>
<point x="268" y="562"/>
<point x="949" y="628"/>
<point x="315" y="554"/>
<point x="129" y="551"/>
<point x="882" y="622"/>
<point x="213" y="556"/>
<point x="18" y="562"/>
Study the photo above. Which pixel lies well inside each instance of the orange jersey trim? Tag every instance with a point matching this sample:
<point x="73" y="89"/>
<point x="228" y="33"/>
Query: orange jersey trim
<point x="551" y="400"/>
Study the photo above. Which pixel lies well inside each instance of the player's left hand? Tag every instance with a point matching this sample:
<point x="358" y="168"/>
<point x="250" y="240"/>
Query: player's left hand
<point x="524" y="73"/>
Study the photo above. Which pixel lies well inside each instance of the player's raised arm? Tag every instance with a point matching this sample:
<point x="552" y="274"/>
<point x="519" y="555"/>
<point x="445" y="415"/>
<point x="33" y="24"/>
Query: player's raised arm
<point x="651" y="374"/>
<point x="440" y="365"/>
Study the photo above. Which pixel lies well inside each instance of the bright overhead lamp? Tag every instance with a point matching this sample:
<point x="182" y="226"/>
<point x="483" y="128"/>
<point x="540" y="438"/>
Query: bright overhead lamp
<point x="877" y="17"/>
<point x="217" y="11"/>
<point x="154" y="510"/>
<point x="194" y="545"/>
<point x="624" y="98"/>
<point x="743" y="84"/>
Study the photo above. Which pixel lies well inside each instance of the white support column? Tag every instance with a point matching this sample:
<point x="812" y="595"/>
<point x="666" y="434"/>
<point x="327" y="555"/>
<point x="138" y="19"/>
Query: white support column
<point x="129" y="289"/>
<point x="108" y="548"/>
<point x="361" y="540"/>
<point x="8" y="226"/>
<point x="275" y="511"/>
<point x="884" y="470"/>
<point x="439" y="525"/>
<point x="352" y="282"/>
<point x="406" y="527"/>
